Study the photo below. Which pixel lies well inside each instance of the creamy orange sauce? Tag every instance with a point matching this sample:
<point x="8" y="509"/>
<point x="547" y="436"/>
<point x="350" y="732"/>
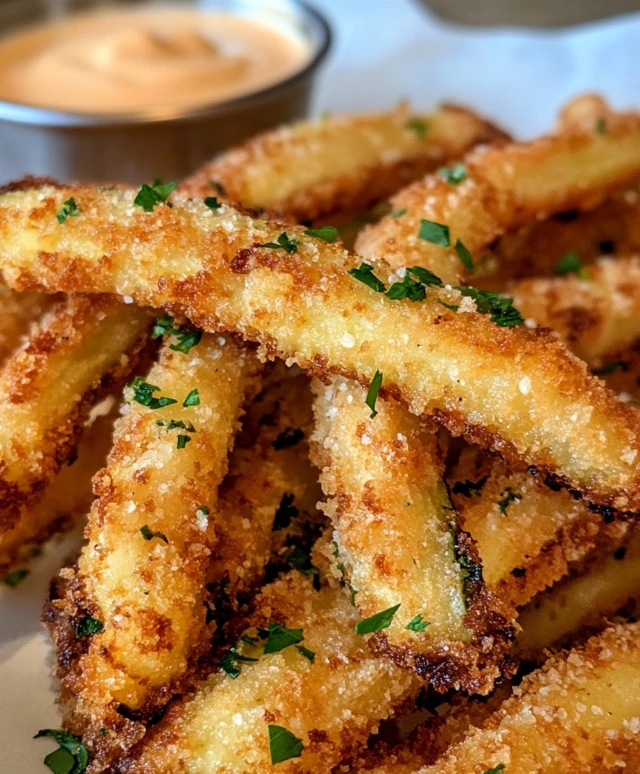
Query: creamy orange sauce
<point x="120" y="61"/>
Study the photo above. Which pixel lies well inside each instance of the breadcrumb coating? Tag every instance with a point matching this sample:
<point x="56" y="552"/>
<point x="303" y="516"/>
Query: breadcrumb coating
<point x="17" y="312"/>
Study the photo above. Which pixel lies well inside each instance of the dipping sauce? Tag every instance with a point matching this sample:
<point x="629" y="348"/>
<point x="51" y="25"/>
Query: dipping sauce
<point x="130" y="61"/>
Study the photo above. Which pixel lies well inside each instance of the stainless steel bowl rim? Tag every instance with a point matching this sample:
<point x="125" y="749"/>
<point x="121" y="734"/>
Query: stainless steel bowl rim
<point x="30" y="114"/>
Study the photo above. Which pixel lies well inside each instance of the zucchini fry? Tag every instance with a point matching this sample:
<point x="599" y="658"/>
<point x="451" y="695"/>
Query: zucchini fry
<point x="399" y="544"/>
<point x="513" y="390"/>
<point x="17" y="312"/>
<point x="604" y="584"/>
<point x="596" y="313"/>
<point x="268" y="499"/>
<point x="503" y="189"/>
<point x="143" y="571"/>
<point x="330" y="694"/>
<point x="72" y="357"/>
<point x="319" y="167"/>
<point x="526" y="534"/>
<point x="578" y="713"/>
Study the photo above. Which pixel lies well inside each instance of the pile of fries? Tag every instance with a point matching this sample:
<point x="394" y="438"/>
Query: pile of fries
<point x="355" y="509"/>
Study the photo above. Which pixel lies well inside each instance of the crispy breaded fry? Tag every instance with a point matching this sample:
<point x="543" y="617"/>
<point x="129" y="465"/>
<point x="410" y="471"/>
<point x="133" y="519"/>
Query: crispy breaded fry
<point x="331" y="701"/>
<point x="318" y="167"/>
<point x="142" y="573"/>
<point x="399" y="544"/>
<point x="596" y="314"/>
<point x="17" y="312"/>
<point x="67" y="498"/>
<point x="602" y="585"/>
<point x="270" y="493"/>
<point x="71" y="358"/>
<point x="504" y="188"/>
<point x="514" y="390"/>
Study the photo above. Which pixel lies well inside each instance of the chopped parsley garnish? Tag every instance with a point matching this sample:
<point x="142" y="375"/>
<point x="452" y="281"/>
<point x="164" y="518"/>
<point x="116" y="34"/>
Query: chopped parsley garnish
<point x="496" y="769"/>
<point x="601" y="126"/>
<point x="407" y="288"/>
<point x="15" y="577"/>
<point x="509" y="496"/>
<point x="300" y="560"/>
<point x="187" y="338"/>
<point x="212" y="203"/>
<point x="364" y="273"/>
<point x="89" y="626"/>
<point x="570" y="264"/>
<point x="182" y="441"/>
<point x="71" y="757"/>
<point x="372" y="393"/>
<point x="192" y="399"/>
<point x="143" y="394"/>
<point x="173" y="424"/>
<point x="284" y="243"/>
<point x="290" y="436"/>
<point x="203" y="510"/>
<point x="326" y="233"/>
<point x="344" y="583"/>
<point x="284" y="512"/>
<point x="465" y="256"/>
<point x="229" y="663"/>
<point x="283" y="745"/>
<point x="436" y="233"/>
<point x="417" y="624"/>
<point x="470" y="570"/>
<point x="377" y="622"/>
<point x="454" y="175"/>
<point x="279" y="638"/>
<point x="68" y="209"/>
<point x="218" y="186"/>
<point x="148" y="534"/>
<point x="103" y="732"/>
<point x="417" y="125"/>
<point x="399" y="213"/>
<point x="308" y="654"/>
<point x="609" y="368"/>
<point x="469" y="488"/>
<point x="156" y="193"/>
<point x="501" y="308"/>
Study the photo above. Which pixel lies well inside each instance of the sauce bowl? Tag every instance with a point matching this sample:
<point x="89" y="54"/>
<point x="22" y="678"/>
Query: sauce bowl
<point x="138" y="147"/>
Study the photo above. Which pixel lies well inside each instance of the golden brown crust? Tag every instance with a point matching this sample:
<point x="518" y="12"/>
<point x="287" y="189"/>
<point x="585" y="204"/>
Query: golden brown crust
<point x="397" y="542"/>
<point x="505" y="188"/>
<point x="304" y="306"/>
<point x="315" y="168"/>
<point x="17" y="312"/>
<point x="72" y="358"/>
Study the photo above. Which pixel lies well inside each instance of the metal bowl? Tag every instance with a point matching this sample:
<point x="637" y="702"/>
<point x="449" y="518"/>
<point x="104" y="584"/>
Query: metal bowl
<point x="133" y="148"/>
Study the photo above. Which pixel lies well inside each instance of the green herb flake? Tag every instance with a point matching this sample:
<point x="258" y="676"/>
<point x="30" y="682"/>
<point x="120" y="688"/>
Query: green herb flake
<point x="609" y="368"/>
<point x="372" y="393"/>
<point x="148" y="534"/>
<point x="89" y="626"/>
<point x="469" y="488"/>
<point x="450" y="307"/>
<point x="71" y="757"/>
<point x="279" y="638"/>
<point x="176" y="424"/>
<point x="230" y="663"/>
<point x="406" y="288"/>
<point x="15" y="577"/>
<point x="501" y="308"/>
<point x="151" y="195"/>
<point x="68" y="209"/>
<point x="284" y="512"/>
<point x="212" y="203"/>
<point x="436" y="233"/>
<point x="308" y="654"/>
<point x="570" y="264"/>
<point x="182" y="441"/>
<point x="454" y="175"/>
<point x="143" y="394"/>
<point x="399" y="213"/>
<point x="192" y="399"/>
<point x="284" y="243"/>
<point x="325" y="233"/>
<point x="496" y="769"/>
<point x="417" y="624"/>
<point x="377" y="622"/>
<point x="187" y="337"/>
<point x="300" y="560"/>
<point x="465" y="256"/>
<point x="364" y="273"/>
<point x="290" y="436"/>
<point x="601" y="126"/>
<point x="283" y="745"/>
<point x="417" y="125"/>
<point x="509" y="496"/>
